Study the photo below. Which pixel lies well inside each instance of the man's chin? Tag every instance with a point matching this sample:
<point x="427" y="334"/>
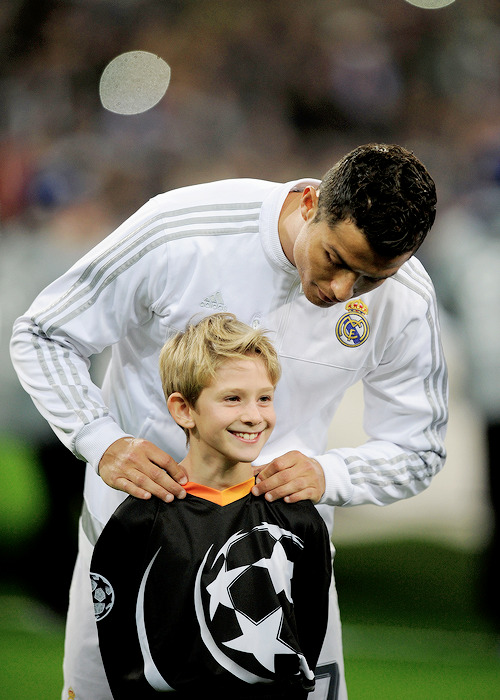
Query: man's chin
<point x="312" y="296"/>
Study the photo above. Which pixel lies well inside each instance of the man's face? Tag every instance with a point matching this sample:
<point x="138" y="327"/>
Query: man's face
<point x="337" y="264"/>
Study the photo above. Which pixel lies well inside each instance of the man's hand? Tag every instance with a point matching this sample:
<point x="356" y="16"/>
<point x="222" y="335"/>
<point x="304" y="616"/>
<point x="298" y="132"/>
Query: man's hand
<point x="293" y="477"/>
<point x="140" y="469"/>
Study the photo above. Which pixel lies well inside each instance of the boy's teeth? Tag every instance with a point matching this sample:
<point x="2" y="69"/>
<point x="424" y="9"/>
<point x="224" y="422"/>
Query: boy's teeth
<point x="247" y="436"/>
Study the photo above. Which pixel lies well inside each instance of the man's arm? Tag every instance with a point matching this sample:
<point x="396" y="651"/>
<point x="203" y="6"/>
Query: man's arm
<point x="89" y="308"/>
<point x="135" y="466"/>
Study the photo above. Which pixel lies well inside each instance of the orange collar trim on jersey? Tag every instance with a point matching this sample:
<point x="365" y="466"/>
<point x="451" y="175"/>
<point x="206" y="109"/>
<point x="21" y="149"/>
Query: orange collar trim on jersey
<point x="221" y="498"/>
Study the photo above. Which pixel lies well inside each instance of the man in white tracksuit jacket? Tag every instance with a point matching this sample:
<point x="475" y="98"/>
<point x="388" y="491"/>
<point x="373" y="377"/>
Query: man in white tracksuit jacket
<point x="328" y="269"/>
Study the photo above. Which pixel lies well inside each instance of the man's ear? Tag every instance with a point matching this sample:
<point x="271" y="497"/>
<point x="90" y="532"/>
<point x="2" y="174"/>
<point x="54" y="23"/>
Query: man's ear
<point x="180" y="410"/>
<point x="309" y="203"/>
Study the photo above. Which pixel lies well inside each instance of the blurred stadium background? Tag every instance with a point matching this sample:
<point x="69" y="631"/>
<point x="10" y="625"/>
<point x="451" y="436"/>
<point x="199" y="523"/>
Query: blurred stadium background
<point x="270" y="90"/>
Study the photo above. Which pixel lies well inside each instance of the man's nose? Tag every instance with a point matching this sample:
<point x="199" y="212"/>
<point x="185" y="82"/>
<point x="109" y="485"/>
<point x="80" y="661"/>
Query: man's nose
<point x="343" y="284"/>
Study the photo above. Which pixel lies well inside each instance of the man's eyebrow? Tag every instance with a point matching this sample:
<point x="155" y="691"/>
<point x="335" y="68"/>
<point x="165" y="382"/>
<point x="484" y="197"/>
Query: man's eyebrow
<point x="360" y="272"/>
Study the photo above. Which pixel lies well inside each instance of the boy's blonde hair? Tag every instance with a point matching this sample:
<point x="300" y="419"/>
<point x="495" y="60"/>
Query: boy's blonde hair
<point x="190" y="359"/>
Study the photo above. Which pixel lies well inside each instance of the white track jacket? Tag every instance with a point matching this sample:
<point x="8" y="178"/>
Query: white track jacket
<point x="215" y="247"/>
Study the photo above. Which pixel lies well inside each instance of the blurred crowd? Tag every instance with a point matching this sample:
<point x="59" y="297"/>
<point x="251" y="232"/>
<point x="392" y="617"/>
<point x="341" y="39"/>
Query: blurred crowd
<point x="265" y="89"/>
<point x="260" y="89"/>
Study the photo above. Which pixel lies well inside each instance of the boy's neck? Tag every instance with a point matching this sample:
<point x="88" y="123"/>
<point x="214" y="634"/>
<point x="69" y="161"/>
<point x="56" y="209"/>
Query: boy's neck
<point x="216" y="476"/>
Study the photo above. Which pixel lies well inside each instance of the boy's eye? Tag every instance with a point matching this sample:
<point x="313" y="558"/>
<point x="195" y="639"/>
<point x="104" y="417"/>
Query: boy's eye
<point x="266" y="399"/>
<point x="232" y="398"/>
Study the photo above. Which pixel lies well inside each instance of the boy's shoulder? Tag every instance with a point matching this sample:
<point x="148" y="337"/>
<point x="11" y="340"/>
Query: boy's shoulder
<point x="149" y="522"/>
<point x="302" y="514"/>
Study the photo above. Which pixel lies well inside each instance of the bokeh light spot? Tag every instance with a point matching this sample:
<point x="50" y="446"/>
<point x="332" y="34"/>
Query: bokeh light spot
<point x="133" y="82"/>
<point x="430" y="4"/>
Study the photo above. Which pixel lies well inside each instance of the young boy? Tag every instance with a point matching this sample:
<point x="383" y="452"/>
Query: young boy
<point x="221" y="594"/>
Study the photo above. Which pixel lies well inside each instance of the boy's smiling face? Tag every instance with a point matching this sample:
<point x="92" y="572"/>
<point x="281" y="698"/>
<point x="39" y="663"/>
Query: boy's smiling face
<point x="234" y="415"/>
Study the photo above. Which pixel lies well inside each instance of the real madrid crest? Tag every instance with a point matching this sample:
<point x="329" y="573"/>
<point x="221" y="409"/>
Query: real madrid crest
<point x="352" y="328"/>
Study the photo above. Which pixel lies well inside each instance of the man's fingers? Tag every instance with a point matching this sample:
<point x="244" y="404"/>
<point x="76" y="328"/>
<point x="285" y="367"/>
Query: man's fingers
<point x="266" y="471"/>
<point x="138" y="485"/>
<point x="271" y="483"/>
<point x="141" y="485"/>
<point x="258" y="470"/>
<point x="275" y="474"/>
<point x="293" y="477"/>
<point x="127" y="486"/>
<point x="156" y="481"/>
<point x="166" y="464"/>
<point x="292" y="491"/>
<point x="141" y="469"/>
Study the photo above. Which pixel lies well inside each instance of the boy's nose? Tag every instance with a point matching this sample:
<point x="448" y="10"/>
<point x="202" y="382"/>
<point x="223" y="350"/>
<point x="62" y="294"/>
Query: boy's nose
<point x="251" y="414"/>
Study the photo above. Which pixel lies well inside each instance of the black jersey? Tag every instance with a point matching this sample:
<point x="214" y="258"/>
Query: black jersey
<point x="199" y="598"/>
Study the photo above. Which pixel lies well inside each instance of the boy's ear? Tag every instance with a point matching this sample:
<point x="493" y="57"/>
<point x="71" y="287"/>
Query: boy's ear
<point x="180" y="410"/>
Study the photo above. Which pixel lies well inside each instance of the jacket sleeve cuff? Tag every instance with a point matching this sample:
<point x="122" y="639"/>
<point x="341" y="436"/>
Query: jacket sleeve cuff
<point x="338" y="486"/>
<point x="95" y="438"/>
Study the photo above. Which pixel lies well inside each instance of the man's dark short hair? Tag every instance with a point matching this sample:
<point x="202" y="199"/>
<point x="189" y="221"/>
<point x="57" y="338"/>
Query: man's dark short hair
<point x="386" y="192"/>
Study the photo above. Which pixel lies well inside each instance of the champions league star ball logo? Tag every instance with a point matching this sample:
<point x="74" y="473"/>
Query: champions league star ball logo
<point x="243" y="606"/>
<point x="103" y="596"/>
<point x="241" y="595"/>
